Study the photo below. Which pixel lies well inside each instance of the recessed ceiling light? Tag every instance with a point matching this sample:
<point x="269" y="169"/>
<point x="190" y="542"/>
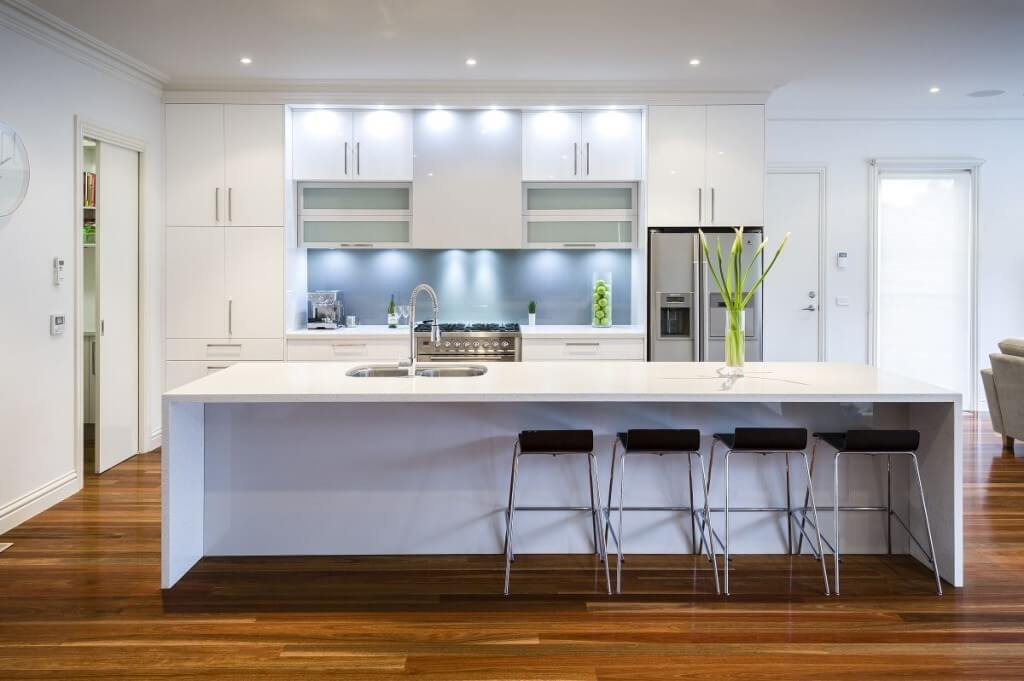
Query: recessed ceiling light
<point x="695" y="62"/>
<point x="935" y="89"/>
<point x="246" y="60"/>
<point x="471" y="62"/>
<point x="986" y="93"/>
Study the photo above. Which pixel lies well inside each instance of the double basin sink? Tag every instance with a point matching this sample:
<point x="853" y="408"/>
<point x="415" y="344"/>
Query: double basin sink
<point x="450" y="371"/>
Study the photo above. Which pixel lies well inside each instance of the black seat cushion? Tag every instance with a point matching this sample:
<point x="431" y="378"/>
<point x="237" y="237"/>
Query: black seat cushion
<point x="661" y="440"/>
<point x="874" y="440"/>
<point x="556" y="441"/>
<point x="765" y="439"/>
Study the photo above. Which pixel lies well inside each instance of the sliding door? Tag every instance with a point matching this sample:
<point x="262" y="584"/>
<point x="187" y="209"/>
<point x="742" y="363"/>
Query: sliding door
<point x="117" y="243"/>
<point x="923" y="277"/>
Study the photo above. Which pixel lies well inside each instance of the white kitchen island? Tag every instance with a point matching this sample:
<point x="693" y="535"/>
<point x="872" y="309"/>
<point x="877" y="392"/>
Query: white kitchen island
<point x="291" y="458"/>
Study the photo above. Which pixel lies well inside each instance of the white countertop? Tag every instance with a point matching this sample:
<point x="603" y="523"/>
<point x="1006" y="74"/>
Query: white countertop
<point x="539" y="331"/>
<point x="579" y="381"/>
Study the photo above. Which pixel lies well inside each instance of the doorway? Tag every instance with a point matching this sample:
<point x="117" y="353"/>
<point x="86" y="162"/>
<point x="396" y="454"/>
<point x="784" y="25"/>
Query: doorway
<point x="794" y="310"/>
<point x="107" y="322"/>
<point x="923" y="279"/>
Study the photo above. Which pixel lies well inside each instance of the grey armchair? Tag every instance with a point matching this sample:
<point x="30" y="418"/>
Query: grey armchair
<point x="1004" y="387"/>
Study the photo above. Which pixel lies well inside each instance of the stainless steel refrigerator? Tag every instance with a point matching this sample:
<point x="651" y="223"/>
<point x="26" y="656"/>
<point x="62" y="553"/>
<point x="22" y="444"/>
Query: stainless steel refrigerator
<point x="686" y="314"/>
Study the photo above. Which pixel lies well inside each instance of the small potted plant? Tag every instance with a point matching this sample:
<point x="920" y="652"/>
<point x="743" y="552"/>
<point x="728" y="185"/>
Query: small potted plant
<point x="532" y="309"/>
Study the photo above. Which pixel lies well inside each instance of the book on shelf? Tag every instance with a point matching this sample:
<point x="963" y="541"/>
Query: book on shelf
<point x="89" y="189"/>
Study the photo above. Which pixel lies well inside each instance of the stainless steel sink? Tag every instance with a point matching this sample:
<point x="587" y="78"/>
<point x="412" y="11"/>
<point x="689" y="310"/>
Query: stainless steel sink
<point x="446" y="371"/>
<point x="463" y="371"/>
<point x="378" y="372"/>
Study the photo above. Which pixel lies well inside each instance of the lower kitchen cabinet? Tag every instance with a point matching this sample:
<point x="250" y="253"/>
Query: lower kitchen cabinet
<point x="348" y="349"/>
<point x="583" y="348"/>
<point x="225" y="349"/>
<point x="178" y="373"/>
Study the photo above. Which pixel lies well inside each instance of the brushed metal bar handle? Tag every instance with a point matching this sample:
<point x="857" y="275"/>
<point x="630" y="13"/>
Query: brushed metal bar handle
<point x="712" y="204"/>
<point x="588" y="345"/>
<point x="579" y="245"/>
<point x="346" y="158"/>
<point x="355" y="245"/>
<point x="229" y="204"/>
<point x="216" y="204"/>
<point x="230" y="315"/>
<point x="588" y="158"/>
<point x="212" y="368"/>
<point x="93" y="361"/>
<point x="700" y="205"/>
<point x="223" y="345"/>
<point x="359" y="159"/>
<point x="575" y="159"/>
<point x="348" y="345"/>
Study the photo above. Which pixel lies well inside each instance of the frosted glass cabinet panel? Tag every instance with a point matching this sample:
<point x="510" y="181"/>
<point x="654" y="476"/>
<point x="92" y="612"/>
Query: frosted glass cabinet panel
<point x="575" y="197"/>
<point x="334" y="198"/>
<point x="579" y="233"/>
<point x="354" y="233"/>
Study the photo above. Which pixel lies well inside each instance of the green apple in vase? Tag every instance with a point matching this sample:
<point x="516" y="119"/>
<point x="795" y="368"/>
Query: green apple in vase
<point x="602" y="302"/>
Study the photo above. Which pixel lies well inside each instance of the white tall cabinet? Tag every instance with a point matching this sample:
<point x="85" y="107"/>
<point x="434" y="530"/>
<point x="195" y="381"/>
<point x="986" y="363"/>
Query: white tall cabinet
<point x="706" y="165"/>
<point x="224" y="164"/>
<point x="224" y="242"/>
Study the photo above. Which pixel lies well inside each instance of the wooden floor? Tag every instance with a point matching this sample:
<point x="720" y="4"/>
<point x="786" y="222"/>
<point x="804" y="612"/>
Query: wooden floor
<point x="80" y="598"/>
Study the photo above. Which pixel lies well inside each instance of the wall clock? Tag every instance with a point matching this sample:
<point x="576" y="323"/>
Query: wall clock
<point x="14" y="171"/>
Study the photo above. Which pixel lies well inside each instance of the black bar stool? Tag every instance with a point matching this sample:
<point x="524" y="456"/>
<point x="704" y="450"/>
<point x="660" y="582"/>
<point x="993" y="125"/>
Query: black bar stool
<point x="556" y="443"/>
<point x="885" y="443"/>
<point x="660" y="442"/>
<point x="766" y="441"/>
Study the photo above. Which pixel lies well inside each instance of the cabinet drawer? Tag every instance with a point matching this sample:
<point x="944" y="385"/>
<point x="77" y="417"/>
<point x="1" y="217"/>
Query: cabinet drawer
<point x="178" y="373"/>
<point x="225" y="349"/>
<point x="583" y="349"/>
<point x="341" y="350"/>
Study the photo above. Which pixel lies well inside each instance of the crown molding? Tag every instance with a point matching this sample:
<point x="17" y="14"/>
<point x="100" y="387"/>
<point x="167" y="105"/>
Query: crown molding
<point x="882" y="114"/>
<point x="451" y="93"/>
<point x="33" y="22"/>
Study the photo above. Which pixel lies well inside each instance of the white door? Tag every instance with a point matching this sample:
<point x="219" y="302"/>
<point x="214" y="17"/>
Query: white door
<point x="792" y="298"/>
<point x="552" y="145"/>
<point x="675" y="168"/>
<point x="254" y="276"/>
<point x="735" y="165"/>
<point x="383" y="145"/>
<point x="254" y="164"/>
<point x="194" y="153"/>
<point x="923" y="287"/>
<point x="612" y="145"/>
<point x="322" y="144"/>
<point x="194" y="286"/>
<point x="117" y="433"/>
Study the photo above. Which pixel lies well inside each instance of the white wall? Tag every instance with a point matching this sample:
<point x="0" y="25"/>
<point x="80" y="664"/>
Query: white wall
<point x="43" y="90"/>
<point x="846" y="146"/>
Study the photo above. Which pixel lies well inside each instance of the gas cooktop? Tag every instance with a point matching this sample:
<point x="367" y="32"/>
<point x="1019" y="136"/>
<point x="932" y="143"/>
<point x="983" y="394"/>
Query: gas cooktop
<point x="489" y="327"/>
<point x="491" y="341"/>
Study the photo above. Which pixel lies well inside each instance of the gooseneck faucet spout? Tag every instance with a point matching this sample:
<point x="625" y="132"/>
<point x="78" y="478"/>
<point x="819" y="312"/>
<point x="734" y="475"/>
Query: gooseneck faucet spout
<point x="435" y="330"/>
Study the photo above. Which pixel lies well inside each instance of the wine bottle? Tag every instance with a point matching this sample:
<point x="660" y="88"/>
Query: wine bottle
<point x="392" y="313"/>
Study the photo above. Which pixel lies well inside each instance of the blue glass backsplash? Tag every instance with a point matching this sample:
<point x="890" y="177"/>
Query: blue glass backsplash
<point x="474" y="286"/>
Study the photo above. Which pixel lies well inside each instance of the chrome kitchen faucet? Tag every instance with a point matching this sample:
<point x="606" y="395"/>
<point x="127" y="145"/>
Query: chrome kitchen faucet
<point x="435" y="330"/>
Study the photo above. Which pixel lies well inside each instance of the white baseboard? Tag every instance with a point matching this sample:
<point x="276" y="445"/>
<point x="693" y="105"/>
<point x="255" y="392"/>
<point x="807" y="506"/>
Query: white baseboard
<point x="155" y="440"/>
<point x="5" y="546"/>
<point x="24" y="507"/>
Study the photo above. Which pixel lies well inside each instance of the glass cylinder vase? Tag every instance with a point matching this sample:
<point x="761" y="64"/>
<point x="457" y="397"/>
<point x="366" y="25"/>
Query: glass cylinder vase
<point x="601" y="303"/>
<point x="735" y="341"/>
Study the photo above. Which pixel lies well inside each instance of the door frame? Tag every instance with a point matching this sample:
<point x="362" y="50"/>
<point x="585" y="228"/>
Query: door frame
<point x="821" y="170"/>
<point x="876" y="167"/>
<point x="85" y="129"/>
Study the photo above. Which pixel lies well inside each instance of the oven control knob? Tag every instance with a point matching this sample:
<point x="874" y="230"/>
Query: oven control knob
<point x="457" y="343"/>
<point x="476" y="344"/>
<point x="504" y="344"/>
<point x="447" y="344"/>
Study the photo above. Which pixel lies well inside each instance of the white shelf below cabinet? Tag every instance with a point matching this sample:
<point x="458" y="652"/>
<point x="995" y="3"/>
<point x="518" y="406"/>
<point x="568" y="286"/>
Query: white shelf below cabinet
<point x="583" y="331"/>
<point x="362" y="331"/>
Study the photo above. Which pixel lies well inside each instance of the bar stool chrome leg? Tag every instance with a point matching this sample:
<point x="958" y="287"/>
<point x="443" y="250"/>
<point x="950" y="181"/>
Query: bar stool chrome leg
<point x="611" y="487"/>
<point x="927" y="525"/>
<point x="595" y="512"/>
<point x="510" y="525"/>
<point x="707" y="528"/>
<point x="817" y="523"/>
<point x="725" y="565"/>
<point x="619" y="539"/>
<point x="599" y="536"/>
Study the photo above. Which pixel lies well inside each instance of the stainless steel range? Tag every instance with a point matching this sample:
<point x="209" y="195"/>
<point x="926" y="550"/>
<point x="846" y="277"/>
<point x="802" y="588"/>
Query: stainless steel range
<point x="480" y="342"/>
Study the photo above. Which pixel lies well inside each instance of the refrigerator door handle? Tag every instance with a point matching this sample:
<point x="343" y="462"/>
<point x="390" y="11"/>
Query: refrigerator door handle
<point x="698" y="297"/>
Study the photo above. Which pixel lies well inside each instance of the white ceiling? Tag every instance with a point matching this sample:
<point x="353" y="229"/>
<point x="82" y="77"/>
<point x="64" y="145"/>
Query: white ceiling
<point x="813" y="53"/>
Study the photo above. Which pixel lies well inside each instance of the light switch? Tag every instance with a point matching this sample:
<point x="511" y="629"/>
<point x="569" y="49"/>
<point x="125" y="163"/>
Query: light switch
<point x="58" y="271"/>
<point x="842" y="301"/>
<point x="842" y="257"/>
<point x="57" y="323"/>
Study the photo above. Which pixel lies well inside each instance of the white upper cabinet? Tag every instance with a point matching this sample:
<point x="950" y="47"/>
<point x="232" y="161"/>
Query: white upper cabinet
<point x="254" y="282"/>
<point x="225" y="165"/>
<point x="467" y="191"/>
<point x="321" y="139"/>
<point x="383" y="145"/>
<point x="331" y="145"/>
<point x="551" y="145"/>
<point x="593" y="145"/>
<point x="612" y="143"/>
<point x="254" y="165"/>
<point x="194" y="152"/>
<point x="706" y="165"/>
<point x="735" y="165"/>
<point x="675" y="170"/>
